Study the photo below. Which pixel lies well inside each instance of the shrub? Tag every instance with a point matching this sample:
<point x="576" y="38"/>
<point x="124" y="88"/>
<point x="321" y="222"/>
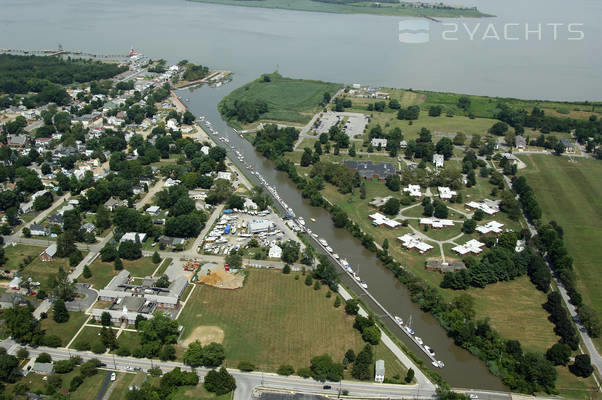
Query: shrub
<point x="75" y="383"/>
<point x="285" y="370"/>
<point x="123" y="352"/>
<point x="286" y="269"/>
<point x="308" y="280"/>
<point x="63" y="366"/>
<point x="246" y="366"/>
<point x="304" y="372"/>
<point x="98" y="348"/>
<point x="82" y="345"/>
<point x="44" y="358"/>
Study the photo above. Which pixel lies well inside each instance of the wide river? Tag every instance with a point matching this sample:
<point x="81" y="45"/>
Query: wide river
<point x="339" y="48"/>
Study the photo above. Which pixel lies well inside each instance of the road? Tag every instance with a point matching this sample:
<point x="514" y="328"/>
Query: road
<point x="246" y="382"/>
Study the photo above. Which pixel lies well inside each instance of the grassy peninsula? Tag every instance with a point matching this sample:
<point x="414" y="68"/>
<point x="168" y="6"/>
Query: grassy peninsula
<point x="274" y="98"/>
<point x="387" y="7"/>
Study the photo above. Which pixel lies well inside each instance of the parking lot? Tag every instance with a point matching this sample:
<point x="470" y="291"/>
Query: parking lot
<point x="355" y="123"/>
<point x="235" y="230"/>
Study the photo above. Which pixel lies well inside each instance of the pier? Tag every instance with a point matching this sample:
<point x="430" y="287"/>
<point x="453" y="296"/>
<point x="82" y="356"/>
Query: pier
<point x="61" y="52"/>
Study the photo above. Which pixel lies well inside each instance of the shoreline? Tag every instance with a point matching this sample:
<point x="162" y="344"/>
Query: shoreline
<point x="335" y="8"/>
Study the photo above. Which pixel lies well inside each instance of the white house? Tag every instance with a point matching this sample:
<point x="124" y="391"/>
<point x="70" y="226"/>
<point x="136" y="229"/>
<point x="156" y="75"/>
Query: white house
<point x="379" y="143"/>
<point x="446" y="193"/>
<point x="275" y="252"/>
<point x="153" y="210"/>
<point x="15" y="283"/>
<point x="413" y="190"/>
<point x="132" y="237"/>
<point x="438" y="160"/>
<point x="224" y="175"/>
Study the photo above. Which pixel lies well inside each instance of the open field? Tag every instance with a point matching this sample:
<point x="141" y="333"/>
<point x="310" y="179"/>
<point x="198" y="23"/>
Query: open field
<point x="88" y="334"/>
<point x="66" y="330"/>
<point x="123" y="382"/>
<point x="103" y="272"/>
<point x="87" y="391"/>
<point x="484" y="106"/>
<point x="275" y="319"/>
<point x="505" y="303"/>
<point x="38" y="270"/>
<point x="288" y="100"/>
<point x="360" y="7"/>
<point x="570" y="193"/>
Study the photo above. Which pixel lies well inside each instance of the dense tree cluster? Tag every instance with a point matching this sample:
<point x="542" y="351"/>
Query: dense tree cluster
<point x="273" y="141"/>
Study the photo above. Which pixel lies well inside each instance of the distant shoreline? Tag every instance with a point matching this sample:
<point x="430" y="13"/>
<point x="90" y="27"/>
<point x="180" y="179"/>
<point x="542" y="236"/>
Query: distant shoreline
<point x="385" y="9"/>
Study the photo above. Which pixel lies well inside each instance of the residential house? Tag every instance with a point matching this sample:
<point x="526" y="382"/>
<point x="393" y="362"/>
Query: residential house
<point x="275" y="252"/>
<point x="379" y="143"/>
<point x="153" y="210"/>
<point x="42" y="368"/>
<point x="88" y="227"/>
<point x="132" y="236"/>
<point x="16" y="141"/>
<point x="568" y="146"/>
<point x="521" y="142"/>
<point x="438" y="160"/>
<point x="38" y="230"/>
<point x="48" y="254"/>
<point x="10" y="300"/>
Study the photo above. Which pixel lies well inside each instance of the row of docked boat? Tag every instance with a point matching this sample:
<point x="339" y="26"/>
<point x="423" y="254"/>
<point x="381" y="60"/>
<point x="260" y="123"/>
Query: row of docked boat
<point x="248" y="166"/>
<point x="407" y="329"/>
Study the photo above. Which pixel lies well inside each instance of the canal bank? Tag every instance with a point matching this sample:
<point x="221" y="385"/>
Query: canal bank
<point x="462" y="369"/>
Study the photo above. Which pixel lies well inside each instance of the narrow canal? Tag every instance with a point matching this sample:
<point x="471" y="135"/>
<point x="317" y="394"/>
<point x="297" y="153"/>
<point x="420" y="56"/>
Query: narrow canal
<point x="461" y="368"/>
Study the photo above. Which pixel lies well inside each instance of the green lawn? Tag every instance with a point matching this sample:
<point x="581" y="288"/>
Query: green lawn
<point x="88" y="334"/>
<point x="570" y="193"/>
<point x="164" y="266"/>
<point x="66" y="330"/>
<point x="38" y="270"/>
<point x="275" y="319"/>
<point x="128" y="340"/>
<point x="103" y="272"/>
<point x="360" y="7"/>
<point x="87" y="391"/>
<point x="507" y="302"/>
<point x="288" y="100"/>
<point x="123" y="382"/>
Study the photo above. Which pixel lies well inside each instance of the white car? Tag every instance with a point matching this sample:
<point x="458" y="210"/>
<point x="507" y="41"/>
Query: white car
<point x="113" y="376"/>
<point x="473" y="396"/>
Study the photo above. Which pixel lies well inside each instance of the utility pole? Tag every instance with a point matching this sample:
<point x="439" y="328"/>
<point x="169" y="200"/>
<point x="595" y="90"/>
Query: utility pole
<point x="114" y="363"/>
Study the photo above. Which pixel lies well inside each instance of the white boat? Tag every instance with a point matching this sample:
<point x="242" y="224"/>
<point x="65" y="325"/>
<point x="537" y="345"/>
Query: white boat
<point x="344" y="263"/>
<point x="409" y="330"/>
<point x="364" y="284"/>
<point x="429" y="350"/>
<point x="314" y="235"/>
<point x="440" y="364"/>
<point x="418" y="340"/>
<point x="356" y="277"/>
<point x="336" y="256"/>
<point x="329" y="249"/>
<point x="323" y="242"/>
<point x="398" y="320"/>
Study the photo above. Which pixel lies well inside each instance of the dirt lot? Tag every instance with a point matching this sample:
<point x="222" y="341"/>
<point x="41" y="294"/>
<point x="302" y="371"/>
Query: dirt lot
<point x="205" y="335"/>
<point x="221" y="279"/>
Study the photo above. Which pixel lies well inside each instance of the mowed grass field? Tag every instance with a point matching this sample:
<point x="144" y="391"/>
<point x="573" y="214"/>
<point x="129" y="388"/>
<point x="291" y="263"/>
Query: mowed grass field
<point x="288" y="100"/>
<point x="37" y="270"/>
<point x="66" y="330"/>
<point x="274" y="320"/>
<point x="570" y="192"/>
<point x="507" y="303"/>
<point x="103" y="272"/>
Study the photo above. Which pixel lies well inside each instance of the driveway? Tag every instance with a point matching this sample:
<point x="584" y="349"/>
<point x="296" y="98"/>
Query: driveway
<point x="79" y="303"/>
